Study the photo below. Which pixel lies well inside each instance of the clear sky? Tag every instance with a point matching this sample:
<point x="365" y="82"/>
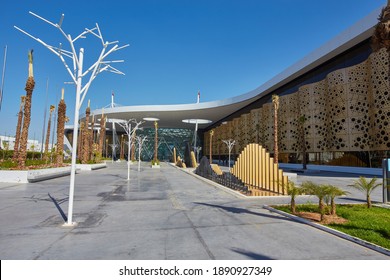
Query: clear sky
<point x="221" y="48"/>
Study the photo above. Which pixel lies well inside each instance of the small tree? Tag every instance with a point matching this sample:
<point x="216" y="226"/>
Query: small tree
<point x="334" y="192"/>
<point x="365" y="186"/>
<point x="293" y="191"/>
<point x="320" y="191"/>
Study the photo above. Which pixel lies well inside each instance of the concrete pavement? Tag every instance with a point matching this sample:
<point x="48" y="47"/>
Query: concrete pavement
<point x="160" y="214"/>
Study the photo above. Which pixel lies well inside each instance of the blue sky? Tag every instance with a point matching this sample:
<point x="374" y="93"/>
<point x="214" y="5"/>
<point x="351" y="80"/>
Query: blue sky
<point x="177" y="48"/>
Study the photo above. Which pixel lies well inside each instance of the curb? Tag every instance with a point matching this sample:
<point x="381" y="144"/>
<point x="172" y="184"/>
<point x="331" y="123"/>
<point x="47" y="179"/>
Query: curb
<point x="332" y="231"/>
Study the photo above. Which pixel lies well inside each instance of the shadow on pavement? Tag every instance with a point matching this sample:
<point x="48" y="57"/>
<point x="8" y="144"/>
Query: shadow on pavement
<point x="251" y="255"/>
<point x="59" y="207"/>
<point x="236" y="210"/>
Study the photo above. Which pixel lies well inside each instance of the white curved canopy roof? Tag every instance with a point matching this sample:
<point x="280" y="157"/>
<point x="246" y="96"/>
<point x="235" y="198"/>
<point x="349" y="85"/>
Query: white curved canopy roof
<point x="171" y="116"/>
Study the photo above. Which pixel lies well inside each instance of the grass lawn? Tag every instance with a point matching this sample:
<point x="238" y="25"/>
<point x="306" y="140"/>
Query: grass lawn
<point x="372" y="225"/>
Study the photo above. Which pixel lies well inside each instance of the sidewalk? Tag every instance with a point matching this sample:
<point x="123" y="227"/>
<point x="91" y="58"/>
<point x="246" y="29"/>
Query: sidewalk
<point x="160" y="214"/>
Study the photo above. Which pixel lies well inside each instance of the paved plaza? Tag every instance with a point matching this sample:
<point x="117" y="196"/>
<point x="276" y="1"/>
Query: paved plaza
<point x="160" y="214"/>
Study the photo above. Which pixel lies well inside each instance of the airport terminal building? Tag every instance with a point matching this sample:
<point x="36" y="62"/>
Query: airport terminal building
<point x="334" y="107"/>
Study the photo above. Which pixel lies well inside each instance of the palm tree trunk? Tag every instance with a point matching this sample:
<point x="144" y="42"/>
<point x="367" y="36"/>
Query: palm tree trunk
<point x="321" y="207"/>
<point x="85" y="149"/>
<point x="333" y="206"/>
<point x="91" y="139"/>
<point x="275" y="101"/>
<point x="26" y="123"/>
<point x="81" y="141"/>
<point x="293" y="205"/>
<point x="369" y="203"/>
<point x="30" y="84"/>
<point x="18" y="128"/>
<point x="122" y="151"/>
<point x="102" y="134"/>
<point x="211" y="146"/>
<point x="133" y="146"/>
<point x="61" y="131"/>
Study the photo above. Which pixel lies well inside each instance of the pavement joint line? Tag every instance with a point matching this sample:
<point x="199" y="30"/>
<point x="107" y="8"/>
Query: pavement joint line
<point x="337" y="233"/>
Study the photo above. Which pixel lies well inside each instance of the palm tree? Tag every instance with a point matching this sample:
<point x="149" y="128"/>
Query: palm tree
<point x="320" y="191"/>
<point x="366" y="187"/>
<point x="211" y="146"/>
<point x="293" y="191"/>
<point x="106" y="148"/>
<point x="81" y="141"/>
<point x="61" y="129"/>
<point x="85" y="145"/>
<point x="381" y="37"/>
<point x="122" y="149"/>
<point x="275" y="102"/>
<point x="102" y="133"/>
<point x="334" y="192"/>
<point x="30" y="84"/>
<point x="52" y="108"/>
<point x="18" y="127"/>
<point x="133" y="137"/>
<point x="91" y="139"/>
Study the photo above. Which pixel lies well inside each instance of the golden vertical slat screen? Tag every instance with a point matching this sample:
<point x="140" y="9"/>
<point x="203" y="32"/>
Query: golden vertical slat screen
<point x="255" y="168"/>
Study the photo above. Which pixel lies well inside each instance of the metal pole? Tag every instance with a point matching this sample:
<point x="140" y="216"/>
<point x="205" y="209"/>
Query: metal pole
<point x="75" y="136"/>
<point x="196" y="123"/>
<point x="44" y="117"/>
<point x="2" y="76"/>
<point x="112" y="100"/>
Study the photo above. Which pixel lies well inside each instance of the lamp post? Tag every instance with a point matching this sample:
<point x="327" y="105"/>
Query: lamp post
<point x="77" y="76"/>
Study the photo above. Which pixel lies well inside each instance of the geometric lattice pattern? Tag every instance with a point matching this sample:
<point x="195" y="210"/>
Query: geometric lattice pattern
<point x="347" y="111"/>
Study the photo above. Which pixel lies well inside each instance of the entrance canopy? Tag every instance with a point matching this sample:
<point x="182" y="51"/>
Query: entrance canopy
<point x="177" y="116"/>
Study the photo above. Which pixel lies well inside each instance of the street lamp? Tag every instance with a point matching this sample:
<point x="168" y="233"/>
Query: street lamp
<point x="77" y="75"/>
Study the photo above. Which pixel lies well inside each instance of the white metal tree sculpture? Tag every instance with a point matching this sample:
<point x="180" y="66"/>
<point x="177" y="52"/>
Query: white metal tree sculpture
<point x="230" y="143"/>
<point x="140" y="141"/>
<point x="77" y="74"/>
<point x="126" y="125"/>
